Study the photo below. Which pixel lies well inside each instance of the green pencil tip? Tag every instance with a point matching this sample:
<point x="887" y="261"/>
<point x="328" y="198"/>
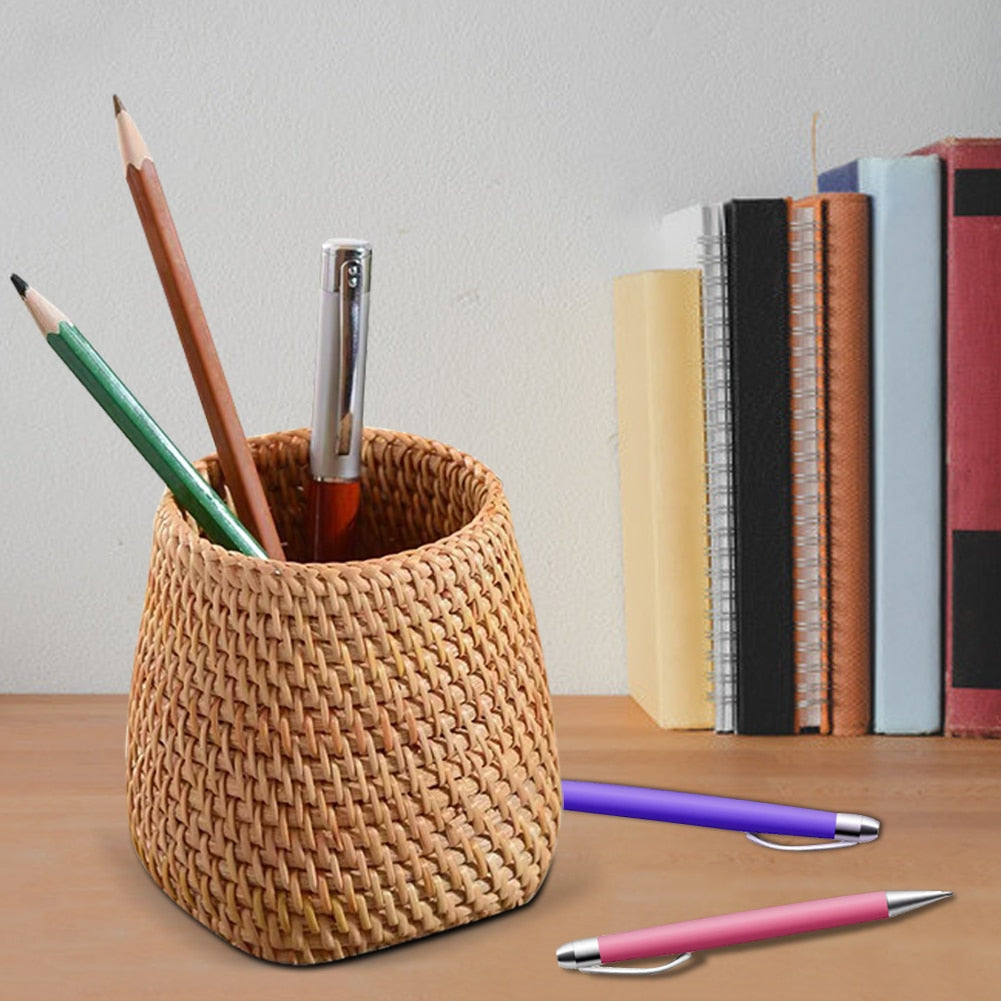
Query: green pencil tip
<point x="20" y="284"/>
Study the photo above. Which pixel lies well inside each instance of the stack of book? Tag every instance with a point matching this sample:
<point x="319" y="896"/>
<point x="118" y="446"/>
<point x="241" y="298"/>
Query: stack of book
<point x="809" y="398"/>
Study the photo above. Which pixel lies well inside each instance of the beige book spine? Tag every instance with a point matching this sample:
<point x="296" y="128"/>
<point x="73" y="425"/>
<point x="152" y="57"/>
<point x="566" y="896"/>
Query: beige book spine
<point x="662" y="477"/>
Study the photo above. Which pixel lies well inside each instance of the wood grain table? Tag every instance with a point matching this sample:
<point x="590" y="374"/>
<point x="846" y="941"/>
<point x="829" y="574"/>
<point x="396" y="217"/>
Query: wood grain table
<point x="80" y="919"/>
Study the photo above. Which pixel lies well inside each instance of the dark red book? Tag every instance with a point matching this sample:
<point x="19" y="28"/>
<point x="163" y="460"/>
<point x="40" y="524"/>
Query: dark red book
<point x="972" y="435"/>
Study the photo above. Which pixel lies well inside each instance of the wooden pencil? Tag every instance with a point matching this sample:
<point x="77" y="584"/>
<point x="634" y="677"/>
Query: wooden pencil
<point x="234" y="456"/>
<point x="193" y="493"/>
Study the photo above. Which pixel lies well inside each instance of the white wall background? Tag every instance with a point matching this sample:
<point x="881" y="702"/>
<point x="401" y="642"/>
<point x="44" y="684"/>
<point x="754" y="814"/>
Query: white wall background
<point x="506" y="160"/>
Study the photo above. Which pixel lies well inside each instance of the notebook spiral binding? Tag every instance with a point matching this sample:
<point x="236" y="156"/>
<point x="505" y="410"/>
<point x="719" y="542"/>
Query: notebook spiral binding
<point x="719" y="472"/>
<point x="808" y="436"/>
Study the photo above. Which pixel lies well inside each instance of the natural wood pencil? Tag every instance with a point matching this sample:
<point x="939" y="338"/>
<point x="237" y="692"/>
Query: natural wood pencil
<point x="234" y="456"/>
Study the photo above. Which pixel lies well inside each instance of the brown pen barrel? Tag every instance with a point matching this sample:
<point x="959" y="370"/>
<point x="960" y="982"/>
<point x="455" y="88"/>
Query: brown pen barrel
<point x="332" y="508"/>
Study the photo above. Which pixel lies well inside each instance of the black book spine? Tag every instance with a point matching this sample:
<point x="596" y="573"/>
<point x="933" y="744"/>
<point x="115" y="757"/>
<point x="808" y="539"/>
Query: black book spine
<point x="758" y="284"/>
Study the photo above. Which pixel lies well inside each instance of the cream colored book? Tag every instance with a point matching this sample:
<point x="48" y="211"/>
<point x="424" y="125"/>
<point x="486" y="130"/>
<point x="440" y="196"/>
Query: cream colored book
<point x="662" y="476"/>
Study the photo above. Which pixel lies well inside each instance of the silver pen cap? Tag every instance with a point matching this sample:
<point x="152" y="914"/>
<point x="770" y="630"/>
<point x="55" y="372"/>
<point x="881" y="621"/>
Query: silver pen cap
<point x="338" y="400"/>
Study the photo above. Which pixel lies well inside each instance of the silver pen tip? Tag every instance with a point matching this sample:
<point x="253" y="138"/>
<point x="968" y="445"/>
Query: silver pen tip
<point x="869" y="829"/>
<point x="566" y="956"/>
<point x="901" y="901"/>
<point x="582" y="952"/>
<point x="856" y="828"/>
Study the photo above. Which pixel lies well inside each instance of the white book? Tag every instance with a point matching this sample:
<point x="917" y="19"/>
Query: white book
<point x="695" y="238"/>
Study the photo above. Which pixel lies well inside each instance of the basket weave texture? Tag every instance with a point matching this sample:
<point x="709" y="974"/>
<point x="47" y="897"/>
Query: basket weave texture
<point x="327" y="759"/>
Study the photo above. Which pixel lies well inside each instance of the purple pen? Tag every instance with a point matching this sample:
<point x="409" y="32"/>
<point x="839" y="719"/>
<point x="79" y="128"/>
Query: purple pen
<point x="839" y="830"/>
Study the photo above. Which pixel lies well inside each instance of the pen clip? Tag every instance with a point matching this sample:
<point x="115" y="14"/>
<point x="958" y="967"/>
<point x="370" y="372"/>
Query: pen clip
<point x="636" y="971"/>
<point x="820" y="847"/>
<point x="349" y="324"/>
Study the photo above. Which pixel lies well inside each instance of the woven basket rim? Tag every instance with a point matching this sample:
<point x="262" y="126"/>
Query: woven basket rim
<point x="169" y="515"/>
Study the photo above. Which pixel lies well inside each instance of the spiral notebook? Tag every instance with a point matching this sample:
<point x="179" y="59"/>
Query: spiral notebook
<point x="808" y="433"/>
<point x="831" y="449"/>
<point x="694" y="237"/>
<point x="757" y="242"/>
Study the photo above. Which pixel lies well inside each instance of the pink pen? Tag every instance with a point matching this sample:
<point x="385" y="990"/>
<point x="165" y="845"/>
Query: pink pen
<point x="592" y="955"/>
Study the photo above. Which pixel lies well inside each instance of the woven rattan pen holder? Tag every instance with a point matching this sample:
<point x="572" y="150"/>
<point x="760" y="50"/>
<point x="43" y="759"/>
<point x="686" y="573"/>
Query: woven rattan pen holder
<point x="324" y="760"/>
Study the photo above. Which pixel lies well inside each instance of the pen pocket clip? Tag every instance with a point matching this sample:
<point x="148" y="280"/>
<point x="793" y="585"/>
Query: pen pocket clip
<point x="819" y="847"/>
<point x="637" y="971"/>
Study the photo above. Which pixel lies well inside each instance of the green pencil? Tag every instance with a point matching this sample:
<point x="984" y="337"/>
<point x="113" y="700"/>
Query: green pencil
<point x="192" y="492"/>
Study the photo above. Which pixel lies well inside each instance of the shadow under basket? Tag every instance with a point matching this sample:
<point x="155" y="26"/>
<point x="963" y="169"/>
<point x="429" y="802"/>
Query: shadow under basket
<point x="328" y="759"/>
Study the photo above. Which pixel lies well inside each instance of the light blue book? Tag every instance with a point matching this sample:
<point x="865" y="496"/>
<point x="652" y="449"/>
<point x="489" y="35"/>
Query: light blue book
<point x="907" y="368"/>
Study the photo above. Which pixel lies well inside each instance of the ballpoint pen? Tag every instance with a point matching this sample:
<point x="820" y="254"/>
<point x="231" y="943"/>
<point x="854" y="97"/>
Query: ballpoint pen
<point x="335" y="442"/>
<point x="749" y="816"/>
<point x="590" y="955"/>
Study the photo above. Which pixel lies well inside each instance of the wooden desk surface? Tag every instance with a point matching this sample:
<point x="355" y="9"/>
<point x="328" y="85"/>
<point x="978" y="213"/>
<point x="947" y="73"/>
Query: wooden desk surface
<point x="80" y="919"/>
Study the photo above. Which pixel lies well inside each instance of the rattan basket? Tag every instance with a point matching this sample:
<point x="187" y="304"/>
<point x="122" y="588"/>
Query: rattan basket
<point x="327" y="759"/>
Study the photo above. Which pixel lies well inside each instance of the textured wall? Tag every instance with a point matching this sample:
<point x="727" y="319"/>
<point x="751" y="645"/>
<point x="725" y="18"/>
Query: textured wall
<point x="506" y="160"/>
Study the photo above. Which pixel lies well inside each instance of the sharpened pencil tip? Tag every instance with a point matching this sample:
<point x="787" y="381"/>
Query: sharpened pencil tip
<point x="20" y="284"/>
<point x="118" y="103"/>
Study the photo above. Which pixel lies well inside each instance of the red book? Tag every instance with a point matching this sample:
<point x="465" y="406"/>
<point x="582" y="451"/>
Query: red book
<point x="972" y="435"/>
